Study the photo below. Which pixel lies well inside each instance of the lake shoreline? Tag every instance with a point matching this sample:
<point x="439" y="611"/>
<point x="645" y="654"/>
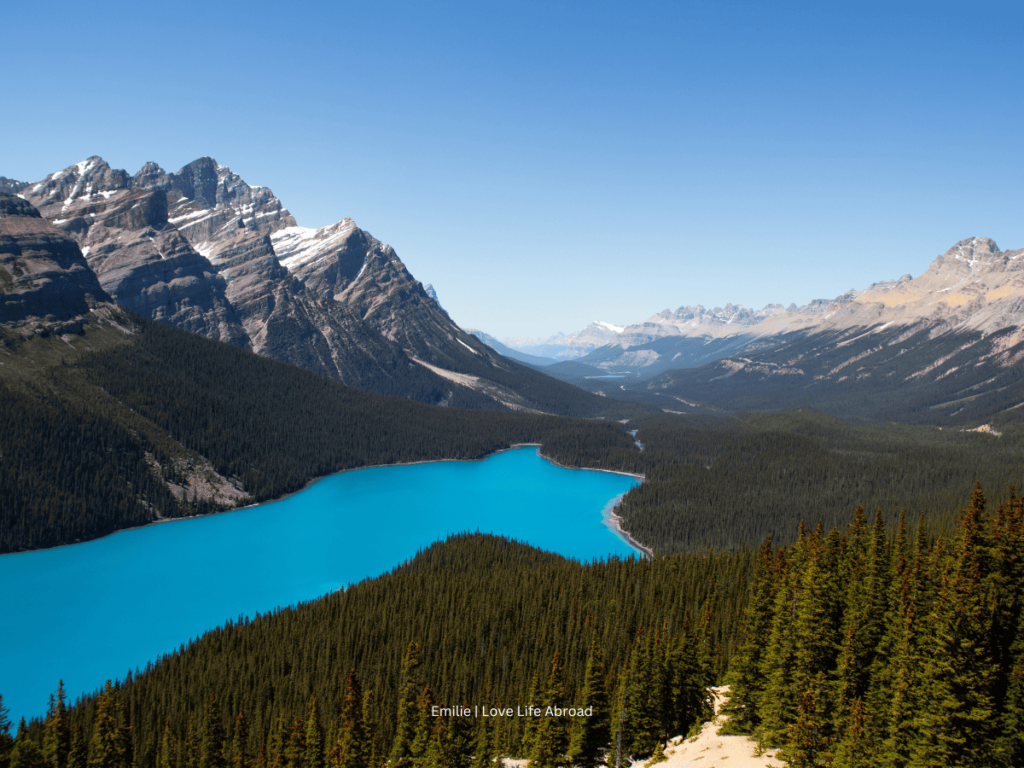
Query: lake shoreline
<point x="612" y="517"/>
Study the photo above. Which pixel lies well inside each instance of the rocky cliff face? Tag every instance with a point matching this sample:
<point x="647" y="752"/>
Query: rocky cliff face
<point x="973" y="287"/>
<point x="10" y="186"/>
<point x="142" y="260"/>
<point x="203" y="250"/>
<point x="45" y="284"/>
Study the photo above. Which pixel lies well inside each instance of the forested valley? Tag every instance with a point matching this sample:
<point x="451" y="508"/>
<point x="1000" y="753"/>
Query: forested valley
<point x="870" y="645"/>
<point x="94" y="443"/>
<point x="90" y="446"/>
<point x="896" y="642"/>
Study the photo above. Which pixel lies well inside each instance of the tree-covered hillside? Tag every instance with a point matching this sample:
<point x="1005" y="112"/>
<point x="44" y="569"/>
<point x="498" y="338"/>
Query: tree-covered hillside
<point x="853" y="648"/>
<point x="171" y="424"/>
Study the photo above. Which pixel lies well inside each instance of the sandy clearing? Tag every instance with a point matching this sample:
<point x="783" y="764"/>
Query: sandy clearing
<point x="708" y="748"/>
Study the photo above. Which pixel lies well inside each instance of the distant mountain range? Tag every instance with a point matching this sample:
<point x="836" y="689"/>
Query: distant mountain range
<point x="562" y="346"/>
<point x="943" y="344"/>
<point x="203" y="250"/>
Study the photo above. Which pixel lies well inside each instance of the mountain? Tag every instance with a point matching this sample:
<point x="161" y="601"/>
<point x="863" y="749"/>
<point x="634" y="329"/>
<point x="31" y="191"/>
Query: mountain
<point x="569" y="347"/>
<point x="429" y="290"/>
<point x="203" y="250"/>
<point x="944" y="345"/>
<point x="10" y="186"/>
<point x="515" y="354"/>
<point x="46" y="286"/>
<point x="109" y="420"/>
<point x="972" y="287"/>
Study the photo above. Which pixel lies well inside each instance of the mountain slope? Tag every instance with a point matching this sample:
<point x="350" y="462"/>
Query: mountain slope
<point x="203" y="250"/>
<point x="944" y="346"/>
<point x="972" y="287"/>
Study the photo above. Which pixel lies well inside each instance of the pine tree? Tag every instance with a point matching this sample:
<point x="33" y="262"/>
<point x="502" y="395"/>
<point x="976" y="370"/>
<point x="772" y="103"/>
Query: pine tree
<point x="817" y="620"/>
<point x="483" y="752"/>
<point x="57" y="740"/>
<point x="350" y="749"/>
<point x="689" y="701"/>
<point x="457" y="743"/>
<point x="434" y="752"/>
<point x="295" y="745"/>
<point x="240" y="757"/>
<point x="550" y="739"/>
<point x="424" y="725"/>
<point x="211" y="750"/>
<point x="409" y="690"/>
<point x="590" y="734"/>
<point x="26" y="753"/>
<point x="104" y="748"/>
<point x="806" y="740"/>
<point x="746" y="683"/>
<point x="635" y="728"/>
<point x="125" y="737"/>
<point x="167" y="755"/>
<point x="854" y="750"/>
<point x="780" y="701"/>
<point x="956" y="726"/>
<point x="278" y="740"/>
<point x="1010" y="743"/>
<point x="530" y="724"/>
<point x="77" y="756"/>
<point x="191" y="749"/>
<point x="314" y="737"/>
<point x="864" y="625"/>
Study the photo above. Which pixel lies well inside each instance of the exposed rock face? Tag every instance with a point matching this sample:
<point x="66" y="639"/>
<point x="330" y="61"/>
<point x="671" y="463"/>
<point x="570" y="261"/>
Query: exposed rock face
<point x="203" y="250"/>
<point x="355" y="275"/>
<point x="429" y="290"/>
<point x="141" y="259"/>
<point x="972" y="287"/>
<point x="45" y="282"/>
<point x="10" y="186"/>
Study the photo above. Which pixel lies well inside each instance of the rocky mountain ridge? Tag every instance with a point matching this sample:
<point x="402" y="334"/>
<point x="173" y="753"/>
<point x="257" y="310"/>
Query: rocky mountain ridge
<point x="972" y="287"/>
<point x="564" y="346"/>
<point x="203" y="250"/>
<point x="46" y="286"/>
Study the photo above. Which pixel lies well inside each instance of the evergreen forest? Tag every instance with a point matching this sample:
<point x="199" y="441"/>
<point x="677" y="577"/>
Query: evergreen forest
<point x="134" y="432"/>
<point x="861" y="646"/>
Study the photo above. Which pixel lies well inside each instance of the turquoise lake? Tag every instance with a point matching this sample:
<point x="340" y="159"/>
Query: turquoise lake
<point x="90" y="612"/>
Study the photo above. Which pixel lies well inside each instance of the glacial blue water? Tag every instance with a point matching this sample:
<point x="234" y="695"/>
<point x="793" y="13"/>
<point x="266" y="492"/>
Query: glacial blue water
<point x="90" y="612"/>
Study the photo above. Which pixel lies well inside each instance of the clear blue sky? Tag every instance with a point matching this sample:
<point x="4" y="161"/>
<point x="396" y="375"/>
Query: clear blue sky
<point x="549" y="164"/>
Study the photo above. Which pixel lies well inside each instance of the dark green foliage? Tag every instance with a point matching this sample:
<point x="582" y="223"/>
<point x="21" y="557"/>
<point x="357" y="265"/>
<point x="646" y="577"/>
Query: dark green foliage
<point x="476" y="617"/>
<point x="729" y="481"/>
<point x="746" y="682"/>
<point x="211" y="754"/>
<point x="6" y="742"/>
<point x="351" y="748"/>
<point x="551" y="737"/>
<point x="77" y="756"/>
<point x="104" y="746"/>
<point x="410" y="689"/>
<point x="240" y="755"/>
<point x="589" y="735"/>
<point x="57" y="741"/>
<point x="26" y="752"/>
<point x="927" y="672"/>
<point x="314" y="737"/>
<point x="90" y="447"/>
